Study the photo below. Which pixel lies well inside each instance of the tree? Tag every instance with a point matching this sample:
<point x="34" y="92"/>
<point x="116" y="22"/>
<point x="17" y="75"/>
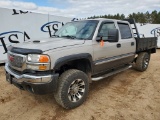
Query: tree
<point x="153" y="17"/>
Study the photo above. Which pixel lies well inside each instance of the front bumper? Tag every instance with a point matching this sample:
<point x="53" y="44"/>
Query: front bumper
<point x="35" y="83"/>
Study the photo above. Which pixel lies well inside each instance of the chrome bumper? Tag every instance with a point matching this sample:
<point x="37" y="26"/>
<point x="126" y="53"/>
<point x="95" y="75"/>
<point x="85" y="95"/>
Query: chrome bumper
<point x="27" y="77"/>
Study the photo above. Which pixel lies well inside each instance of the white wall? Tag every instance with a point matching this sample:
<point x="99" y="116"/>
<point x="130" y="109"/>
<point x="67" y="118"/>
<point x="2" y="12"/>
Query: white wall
<point x="149" y="30"/>
<point x="17" y="26"/>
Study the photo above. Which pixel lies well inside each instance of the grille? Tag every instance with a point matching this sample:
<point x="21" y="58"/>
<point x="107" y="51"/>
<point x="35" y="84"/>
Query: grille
<point x="15" y="60"/>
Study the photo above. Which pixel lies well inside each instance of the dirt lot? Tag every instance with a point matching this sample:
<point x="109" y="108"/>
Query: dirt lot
<point x="129" y="95"/>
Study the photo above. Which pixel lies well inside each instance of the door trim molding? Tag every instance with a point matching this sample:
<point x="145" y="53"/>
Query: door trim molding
<point x="99" y="62"/>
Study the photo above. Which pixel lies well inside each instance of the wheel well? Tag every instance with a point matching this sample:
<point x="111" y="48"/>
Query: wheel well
<point x="153" y="50"/>
<point x="80" y="64"/>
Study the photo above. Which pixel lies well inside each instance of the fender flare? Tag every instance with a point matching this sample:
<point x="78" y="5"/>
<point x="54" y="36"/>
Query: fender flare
<point x="63" y="60"/>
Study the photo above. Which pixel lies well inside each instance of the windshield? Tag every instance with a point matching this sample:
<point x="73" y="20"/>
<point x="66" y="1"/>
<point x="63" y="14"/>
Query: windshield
<point x="78" y="30"/>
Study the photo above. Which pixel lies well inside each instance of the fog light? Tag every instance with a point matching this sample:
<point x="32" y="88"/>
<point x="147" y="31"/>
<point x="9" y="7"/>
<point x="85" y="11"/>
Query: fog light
<point x="41" y="67"/>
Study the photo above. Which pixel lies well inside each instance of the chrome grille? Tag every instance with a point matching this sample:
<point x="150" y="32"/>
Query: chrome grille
<point x="15" y="60"/>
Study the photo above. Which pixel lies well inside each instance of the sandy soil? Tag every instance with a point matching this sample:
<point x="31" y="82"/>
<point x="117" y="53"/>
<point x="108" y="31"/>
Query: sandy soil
<point x="130" y="95"/>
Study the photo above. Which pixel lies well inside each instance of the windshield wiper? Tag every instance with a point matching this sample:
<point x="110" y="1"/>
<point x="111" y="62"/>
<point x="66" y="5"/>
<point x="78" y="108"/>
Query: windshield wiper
<point x="69" y="36"/>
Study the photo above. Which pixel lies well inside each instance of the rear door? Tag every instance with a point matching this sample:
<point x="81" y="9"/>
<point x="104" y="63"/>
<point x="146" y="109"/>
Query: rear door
<point x="127" y="41"/>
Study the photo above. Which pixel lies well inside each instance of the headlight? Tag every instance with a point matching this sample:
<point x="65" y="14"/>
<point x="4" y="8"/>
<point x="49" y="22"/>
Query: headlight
<point x="38" y="58"/>
<point x="38" y="62"/>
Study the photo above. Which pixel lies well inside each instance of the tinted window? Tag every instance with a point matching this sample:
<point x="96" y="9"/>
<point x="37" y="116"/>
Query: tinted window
<point x="125" y="30"/>
<point x="104" y="29"/>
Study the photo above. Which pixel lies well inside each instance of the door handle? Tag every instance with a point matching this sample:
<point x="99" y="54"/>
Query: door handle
<point x="132" y="43"/>
<point x="118" y="45"/>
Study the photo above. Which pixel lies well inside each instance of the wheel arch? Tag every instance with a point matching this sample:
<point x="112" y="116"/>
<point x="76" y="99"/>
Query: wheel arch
<point x="80" y="60"/>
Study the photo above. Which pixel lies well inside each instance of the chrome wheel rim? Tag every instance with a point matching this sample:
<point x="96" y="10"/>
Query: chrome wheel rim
<point x="146" y="62"/>
<point x="76" y="90"/>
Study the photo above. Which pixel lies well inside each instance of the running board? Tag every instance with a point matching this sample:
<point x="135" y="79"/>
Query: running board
<point x="111" y="73"/>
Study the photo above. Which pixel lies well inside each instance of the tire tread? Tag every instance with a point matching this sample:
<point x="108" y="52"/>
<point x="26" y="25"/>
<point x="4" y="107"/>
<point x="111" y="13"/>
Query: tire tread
<point x="62" y="82"/>
<point x="139" y="62"/>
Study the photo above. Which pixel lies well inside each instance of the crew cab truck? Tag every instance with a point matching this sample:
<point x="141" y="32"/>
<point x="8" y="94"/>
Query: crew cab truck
<point x="79" y="53"/>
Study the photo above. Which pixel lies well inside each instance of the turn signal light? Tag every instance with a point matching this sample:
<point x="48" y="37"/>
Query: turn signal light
<point x="43" y="58"/>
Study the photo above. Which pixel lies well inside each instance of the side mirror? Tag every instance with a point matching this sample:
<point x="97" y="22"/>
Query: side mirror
<point x="112" y="35"/>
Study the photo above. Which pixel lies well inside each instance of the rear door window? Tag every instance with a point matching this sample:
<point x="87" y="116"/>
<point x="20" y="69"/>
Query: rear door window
<point x="125" y="30"/>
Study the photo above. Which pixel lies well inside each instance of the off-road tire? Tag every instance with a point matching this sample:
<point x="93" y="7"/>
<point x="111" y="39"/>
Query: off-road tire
<point x="64" y="83"/>
<point x="142" y="61"/>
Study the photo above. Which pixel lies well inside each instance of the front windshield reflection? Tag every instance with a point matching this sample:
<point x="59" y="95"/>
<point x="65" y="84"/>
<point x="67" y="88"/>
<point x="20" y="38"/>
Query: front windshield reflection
<point x="78" y="30"/>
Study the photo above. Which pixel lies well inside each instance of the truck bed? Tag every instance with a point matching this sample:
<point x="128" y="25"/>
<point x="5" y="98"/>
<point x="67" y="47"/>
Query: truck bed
<point x="143" y="44"/>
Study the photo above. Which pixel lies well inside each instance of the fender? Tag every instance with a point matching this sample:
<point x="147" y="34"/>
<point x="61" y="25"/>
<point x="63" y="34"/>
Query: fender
<point x="65" y="59"/>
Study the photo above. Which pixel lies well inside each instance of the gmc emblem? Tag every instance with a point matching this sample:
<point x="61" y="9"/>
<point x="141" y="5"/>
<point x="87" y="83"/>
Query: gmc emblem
<point x="11" y="58"/>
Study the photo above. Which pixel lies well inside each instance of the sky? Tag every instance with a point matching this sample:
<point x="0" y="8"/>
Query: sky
<point x="83" y="8"/>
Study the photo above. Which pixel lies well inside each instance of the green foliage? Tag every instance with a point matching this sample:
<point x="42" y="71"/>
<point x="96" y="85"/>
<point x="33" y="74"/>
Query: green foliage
<point x="153" y="17"/>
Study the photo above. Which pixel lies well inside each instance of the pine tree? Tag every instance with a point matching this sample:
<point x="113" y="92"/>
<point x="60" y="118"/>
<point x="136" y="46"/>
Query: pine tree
<point x="153" y="17"/>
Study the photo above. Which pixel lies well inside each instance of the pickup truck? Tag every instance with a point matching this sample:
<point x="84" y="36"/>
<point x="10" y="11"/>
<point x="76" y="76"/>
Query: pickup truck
<point x="80" y="52"/>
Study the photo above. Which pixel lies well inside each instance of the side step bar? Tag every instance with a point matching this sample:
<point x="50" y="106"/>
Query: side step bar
<point x="111" y="73"/>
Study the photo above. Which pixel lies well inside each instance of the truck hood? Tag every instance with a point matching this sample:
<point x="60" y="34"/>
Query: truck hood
<point x="48" y="44"/>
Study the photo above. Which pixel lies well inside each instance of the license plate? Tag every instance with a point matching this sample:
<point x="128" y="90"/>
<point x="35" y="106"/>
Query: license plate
<point x="9" y="78"/>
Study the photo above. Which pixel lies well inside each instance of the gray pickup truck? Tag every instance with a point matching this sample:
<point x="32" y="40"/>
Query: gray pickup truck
<point x="79" y="53"/>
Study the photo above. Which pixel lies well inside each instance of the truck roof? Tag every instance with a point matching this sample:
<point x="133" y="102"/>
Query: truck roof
<point x="102" y="19"/>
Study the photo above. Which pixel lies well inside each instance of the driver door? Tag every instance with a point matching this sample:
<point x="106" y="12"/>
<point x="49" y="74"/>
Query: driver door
<point x="104" y="55"/>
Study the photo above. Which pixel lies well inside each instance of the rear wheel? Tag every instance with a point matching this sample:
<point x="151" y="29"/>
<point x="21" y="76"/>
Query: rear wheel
<point x="142" y="61"/>
<point x="72" y="89"/>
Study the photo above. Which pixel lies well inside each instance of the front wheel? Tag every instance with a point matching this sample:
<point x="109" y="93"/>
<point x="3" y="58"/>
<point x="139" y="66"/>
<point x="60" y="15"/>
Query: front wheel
<point x="142" y="61"/>
<point x="72" y="89"/>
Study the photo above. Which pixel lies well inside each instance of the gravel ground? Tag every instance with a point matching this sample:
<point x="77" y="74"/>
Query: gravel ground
<point x="129" y="95"/>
